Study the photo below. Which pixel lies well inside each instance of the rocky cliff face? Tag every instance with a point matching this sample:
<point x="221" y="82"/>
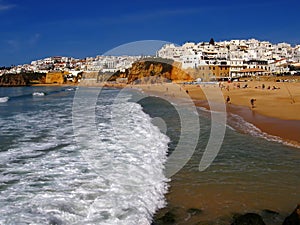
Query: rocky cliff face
<point x="153" y="71"/>
<point x="13" y="80"/>
<point x="55" y="78"/>
<point x="8" y="80"/>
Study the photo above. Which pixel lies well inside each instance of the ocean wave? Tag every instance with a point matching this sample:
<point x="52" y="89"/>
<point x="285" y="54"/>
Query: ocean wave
<point x="70" y="89"/>
<point x="210" y="111"/>
<point x="117" y="178"/>
<point x="203" y="109"/>
<point x="130" y="152"/>
<point x="4" y="99"/>
<point x="236" y="122"/>
<point x="38" y="94"/>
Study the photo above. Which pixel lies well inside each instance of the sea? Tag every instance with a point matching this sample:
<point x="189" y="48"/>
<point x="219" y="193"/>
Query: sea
<point x="84" y="155"/>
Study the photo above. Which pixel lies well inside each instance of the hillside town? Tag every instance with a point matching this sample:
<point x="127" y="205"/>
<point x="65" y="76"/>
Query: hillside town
<point x="235" y="58"/>
<point x="71" y="67"/>
<point x="216" y="60"/>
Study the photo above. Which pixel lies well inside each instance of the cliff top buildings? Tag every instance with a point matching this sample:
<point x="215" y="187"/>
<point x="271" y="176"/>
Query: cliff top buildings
<point x="243" y="57"/>
<point x="229" y="59"/>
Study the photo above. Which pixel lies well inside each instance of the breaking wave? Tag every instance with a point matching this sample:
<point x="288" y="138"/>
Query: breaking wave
<point x="4" y="99"/>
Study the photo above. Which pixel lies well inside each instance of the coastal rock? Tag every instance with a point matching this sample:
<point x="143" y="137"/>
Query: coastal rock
<point x="24" y="79"/>
<point x="149" y="71"/>
<point x="270" y="212"/>
<point x="12" y="80"/>
<point x="194" y="211"/>
<point x="294" y="218"/>
<point x="55" y="77"/>
<point x="248" y="219"/>
<point x="271" y="216"/>
<point x="167" y="219"/>
<point x="177" y="74"/>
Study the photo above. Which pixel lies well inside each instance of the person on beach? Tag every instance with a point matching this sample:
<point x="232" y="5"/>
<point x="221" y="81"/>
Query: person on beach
<point x="252" y="100"/>
<point x="228" y="100"/>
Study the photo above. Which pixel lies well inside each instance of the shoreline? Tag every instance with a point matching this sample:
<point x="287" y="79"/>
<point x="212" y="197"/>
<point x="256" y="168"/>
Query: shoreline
<point x="184" y="198"/>
<point x="197" y="202"/>
<point x="53" y="85"/>
<point x="287" y="130"/>
<point x="275" y="127"/>
<point x="287" y="127"/>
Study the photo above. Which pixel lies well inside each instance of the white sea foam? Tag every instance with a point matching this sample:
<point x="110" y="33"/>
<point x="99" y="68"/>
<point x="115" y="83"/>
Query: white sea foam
<point x="70" y="89"/>
<point x="38" y="93"/>
<point x="129" y="154"/>
<point x="209" y="111"/>
<point x="115" y="178"/>
<point x="238" y="123"/>
<point x="4" y="99"/>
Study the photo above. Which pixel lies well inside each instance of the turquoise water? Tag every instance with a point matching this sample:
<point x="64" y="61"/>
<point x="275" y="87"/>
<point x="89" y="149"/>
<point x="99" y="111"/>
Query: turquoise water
<point x="61" y="165"/>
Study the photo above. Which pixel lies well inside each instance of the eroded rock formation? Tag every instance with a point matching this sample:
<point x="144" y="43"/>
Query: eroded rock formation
<point x="25" y="79"/>
<point x="153" y="71"/>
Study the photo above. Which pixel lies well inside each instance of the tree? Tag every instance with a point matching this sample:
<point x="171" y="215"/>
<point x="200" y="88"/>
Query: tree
<point x="212" y="41"/>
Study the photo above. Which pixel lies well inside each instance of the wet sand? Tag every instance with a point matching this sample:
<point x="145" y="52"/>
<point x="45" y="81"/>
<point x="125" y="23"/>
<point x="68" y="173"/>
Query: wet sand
<point x="288" y="130"/>
<point x="275" y="112"/>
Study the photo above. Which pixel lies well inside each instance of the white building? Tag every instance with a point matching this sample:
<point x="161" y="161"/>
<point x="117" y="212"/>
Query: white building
<point x="191" y="60"/>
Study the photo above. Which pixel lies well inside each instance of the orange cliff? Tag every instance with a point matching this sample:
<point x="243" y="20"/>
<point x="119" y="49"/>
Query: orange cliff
<point x="153" y="71"/>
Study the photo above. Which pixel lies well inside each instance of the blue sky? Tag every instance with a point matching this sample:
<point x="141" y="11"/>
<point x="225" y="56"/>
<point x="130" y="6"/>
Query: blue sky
<point x="34" y="29"/>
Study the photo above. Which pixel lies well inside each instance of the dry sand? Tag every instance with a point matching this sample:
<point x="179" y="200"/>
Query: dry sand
<point x="276" y="111"/>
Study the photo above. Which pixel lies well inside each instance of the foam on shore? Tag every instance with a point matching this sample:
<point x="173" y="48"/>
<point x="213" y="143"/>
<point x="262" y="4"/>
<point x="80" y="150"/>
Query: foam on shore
<point x="4" y="99"/>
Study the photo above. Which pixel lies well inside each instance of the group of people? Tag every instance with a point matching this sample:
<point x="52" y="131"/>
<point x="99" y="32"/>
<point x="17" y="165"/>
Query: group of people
<point x="269" y="87"/>
<point x="252" y="101"/>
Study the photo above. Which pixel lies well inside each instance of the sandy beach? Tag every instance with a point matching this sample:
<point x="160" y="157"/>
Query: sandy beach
<point x="275" y="109"/>
<point x="274" y="113"/>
